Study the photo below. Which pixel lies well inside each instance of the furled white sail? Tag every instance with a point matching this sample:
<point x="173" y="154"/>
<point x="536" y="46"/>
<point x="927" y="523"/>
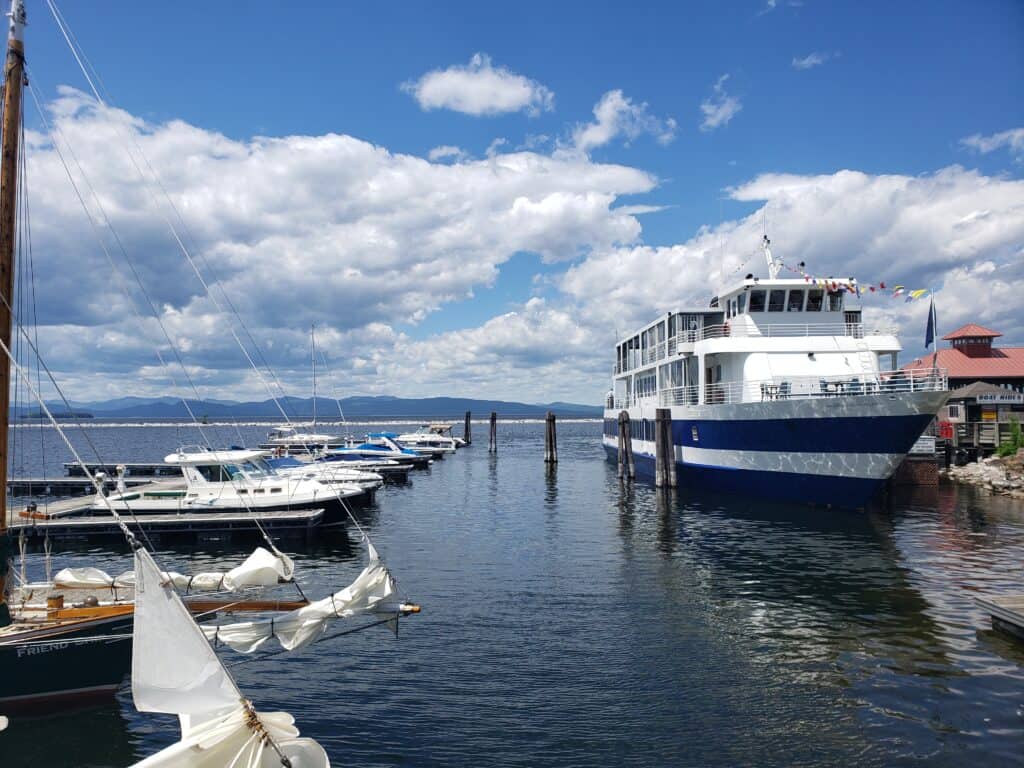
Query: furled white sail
<point x="261" y="569"/>
<point x="175" y="670"/>
<point x="234" y="741"/>
<point x="298" y="628"/>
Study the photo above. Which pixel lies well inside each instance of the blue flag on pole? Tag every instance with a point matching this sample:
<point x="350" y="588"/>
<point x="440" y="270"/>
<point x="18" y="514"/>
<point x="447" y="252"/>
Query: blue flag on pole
<point x="929" y="333"/>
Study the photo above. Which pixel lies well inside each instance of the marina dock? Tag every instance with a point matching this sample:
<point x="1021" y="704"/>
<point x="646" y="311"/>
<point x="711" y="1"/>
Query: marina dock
<point x="65" y="486"/>
<point x="1007" y="613"/>
<point x="303" y="521"/>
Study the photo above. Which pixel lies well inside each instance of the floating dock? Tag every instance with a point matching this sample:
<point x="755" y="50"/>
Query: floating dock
<point x="68" y="518"/>
<point x="64" y="486"/>
<point x="131" y="469"/>
<point x="1007" y="612"/>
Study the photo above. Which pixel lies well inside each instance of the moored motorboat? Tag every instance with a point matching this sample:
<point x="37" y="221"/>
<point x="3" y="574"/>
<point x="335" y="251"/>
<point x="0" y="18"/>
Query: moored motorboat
<point x="380" y="445"/>
<point x="427" y="438"/>
<point x="233" y="481"/>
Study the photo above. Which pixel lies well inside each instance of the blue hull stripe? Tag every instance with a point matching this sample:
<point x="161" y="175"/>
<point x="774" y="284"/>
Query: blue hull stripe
<point x="845" y="492"/>
<point x="884" y="434"/>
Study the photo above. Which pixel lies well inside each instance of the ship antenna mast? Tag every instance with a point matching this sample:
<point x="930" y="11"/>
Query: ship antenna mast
<point x="14" y="76"/>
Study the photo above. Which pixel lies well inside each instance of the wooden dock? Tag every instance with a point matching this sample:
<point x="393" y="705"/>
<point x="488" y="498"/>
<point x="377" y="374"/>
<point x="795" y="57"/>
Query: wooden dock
<point x="67" y="519"/>
<point x="1007" y="612"/>
<point x="64" y="486"/>
<point x="150" y="469"/>
<point x="187" y="523"/>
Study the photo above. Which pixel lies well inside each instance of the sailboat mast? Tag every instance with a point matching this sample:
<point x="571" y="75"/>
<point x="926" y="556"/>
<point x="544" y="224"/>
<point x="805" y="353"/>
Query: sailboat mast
<point x="14" y="76"/>
<point x="312" y="354"/>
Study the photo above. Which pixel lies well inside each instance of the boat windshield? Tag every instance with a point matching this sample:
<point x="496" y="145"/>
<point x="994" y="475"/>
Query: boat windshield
<point x="257" y="468"/>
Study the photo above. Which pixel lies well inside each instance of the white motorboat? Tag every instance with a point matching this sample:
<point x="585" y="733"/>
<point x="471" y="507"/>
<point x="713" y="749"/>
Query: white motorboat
<point x="329" y="472"/>
<point x="429" y="438"/>
<point x="232" y="481"/>
<point x="287" y="439"/>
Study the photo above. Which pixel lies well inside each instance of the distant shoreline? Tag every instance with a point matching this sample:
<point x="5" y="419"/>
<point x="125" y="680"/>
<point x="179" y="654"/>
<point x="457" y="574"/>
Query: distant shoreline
<point x="119" y="421"/>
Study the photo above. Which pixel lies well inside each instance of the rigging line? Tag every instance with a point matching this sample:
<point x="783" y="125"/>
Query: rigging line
<point x="65" y="29"/>
<point x="279" y="651"/>
<point x="174" y="232"/>
<point x="334" y="387"/>
<point x="73" y="41"/>
<point x="16" y="322"/>
<point x="95" y="483"/>
<point x="27" y="237"/>
<point x="55" y="132"/>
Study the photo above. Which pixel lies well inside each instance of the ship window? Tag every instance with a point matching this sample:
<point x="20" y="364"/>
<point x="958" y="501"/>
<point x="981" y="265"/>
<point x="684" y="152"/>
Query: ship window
<point x="835" y="302"/>
<point x="213" y="473"/>
<point x="776" y="301"/>
<point x="814" y="300"/>
<point x="757" y="301"/>
<point x="741" y="302"/>
<point x="796" y="301"/>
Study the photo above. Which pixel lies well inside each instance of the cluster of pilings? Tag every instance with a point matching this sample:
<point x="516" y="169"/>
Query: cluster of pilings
<point x="492" y="446"/>
<point x="664" y="451"/>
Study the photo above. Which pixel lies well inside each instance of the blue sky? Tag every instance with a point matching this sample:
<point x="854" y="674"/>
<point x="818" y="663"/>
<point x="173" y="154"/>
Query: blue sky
<point x="816" y="88"/>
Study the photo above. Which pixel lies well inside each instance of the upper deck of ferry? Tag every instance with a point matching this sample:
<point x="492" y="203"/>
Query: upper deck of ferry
<point x="774" y="338"/>
<point x="753" y="311"/>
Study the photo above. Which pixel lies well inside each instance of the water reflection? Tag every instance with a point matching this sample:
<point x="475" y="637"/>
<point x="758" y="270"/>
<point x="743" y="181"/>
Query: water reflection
<point x="573" y="619"/>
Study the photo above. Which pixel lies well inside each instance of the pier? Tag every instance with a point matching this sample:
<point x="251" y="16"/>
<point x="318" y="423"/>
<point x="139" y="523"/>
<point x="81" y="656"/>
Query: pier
<point x="1006" y="612"/>
<point x="64" y="525"/>
<point x="65" y="486"/>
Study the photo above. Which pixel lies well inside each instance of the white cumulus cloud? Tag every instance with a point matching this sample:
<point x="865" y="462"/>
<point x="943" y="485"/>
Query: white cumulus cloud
<point x="719" y="108"/>
<point x="617" y="115"/>
<point x="1013" y="140"/>
<point x="480" y="88"/>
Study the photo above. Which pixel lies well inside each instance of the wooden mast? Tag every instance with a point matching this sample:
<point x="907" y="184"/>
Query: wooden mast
<point x="14" y="77"/>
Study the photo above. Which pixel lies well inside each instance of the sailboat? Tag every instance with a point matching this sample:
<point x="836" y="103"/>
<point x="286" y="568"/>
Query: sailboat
<point x="82" y="649"/>
<point x="52" y="653"/>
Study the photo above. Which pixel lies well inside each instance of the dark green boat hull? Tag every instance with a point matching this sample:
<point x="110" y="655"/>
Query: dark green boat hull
<point x="50" y="669"/>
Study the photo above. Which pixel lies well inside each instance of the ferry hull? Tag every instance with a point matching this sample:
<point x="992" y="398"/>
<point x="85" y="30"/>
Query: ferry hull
<point x="827" y="451"/>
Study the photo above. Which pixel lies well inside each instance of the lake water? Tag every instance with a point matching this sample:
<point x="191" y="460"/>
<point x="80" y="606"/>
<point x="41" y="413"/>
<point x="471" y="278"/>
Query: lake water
<point x="572" y="621"/>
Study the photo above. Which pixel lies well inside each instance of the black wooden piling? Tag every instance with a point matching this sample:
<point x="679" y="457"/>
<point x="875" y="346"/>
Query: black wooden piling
<point x="664" y="453"/>
<point x="621" y="452"/>
<point x="627" y="440"/>
<point x="467" y="435"/>
<point x="550" y="440"/>
<point x="493" y="445"/>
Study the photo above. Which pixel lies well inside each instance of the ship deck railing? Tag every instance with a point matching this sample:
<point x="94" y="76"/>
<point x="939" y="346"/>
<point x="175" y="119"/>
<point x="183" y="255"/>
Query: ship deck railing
<point x="799" y="388"/>
<point x="675" y="344"/>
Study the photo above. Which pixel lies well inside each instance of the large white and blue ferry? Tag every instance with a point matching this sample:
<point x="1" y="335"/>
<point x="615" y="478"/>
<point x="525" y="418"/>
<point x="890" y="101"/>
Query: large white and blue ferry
<point x="777" y="389"/>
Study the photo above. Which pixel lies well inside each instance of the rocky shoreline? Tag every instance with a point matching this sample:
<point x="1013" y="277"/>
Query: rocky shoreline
<point x="1004" y="476"/>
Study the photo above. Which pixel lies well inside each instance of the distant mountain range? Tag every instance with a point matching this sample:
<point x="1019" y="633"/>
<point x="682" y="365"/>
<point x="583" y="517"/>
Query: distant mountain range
<point x="354" y="408"/>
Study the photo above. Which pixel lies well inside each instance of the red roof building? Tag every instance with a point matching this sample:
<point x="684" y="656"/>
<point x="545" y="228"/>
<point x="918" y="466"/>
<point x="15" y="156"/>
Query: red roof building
<point x="971" y="357"/>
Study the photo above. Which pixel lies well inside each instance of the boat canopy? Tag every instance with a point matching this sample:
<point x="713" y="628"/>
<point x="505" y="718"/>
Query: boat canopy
<point x="213" y="457"/>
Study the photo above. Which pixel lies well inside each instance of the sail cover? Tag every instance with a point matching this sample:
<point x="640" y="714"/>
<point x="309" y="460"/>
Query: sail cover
<point x="261" y="569"/>
<point x="230" y="742"/>
<point x="298" y="628"/>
